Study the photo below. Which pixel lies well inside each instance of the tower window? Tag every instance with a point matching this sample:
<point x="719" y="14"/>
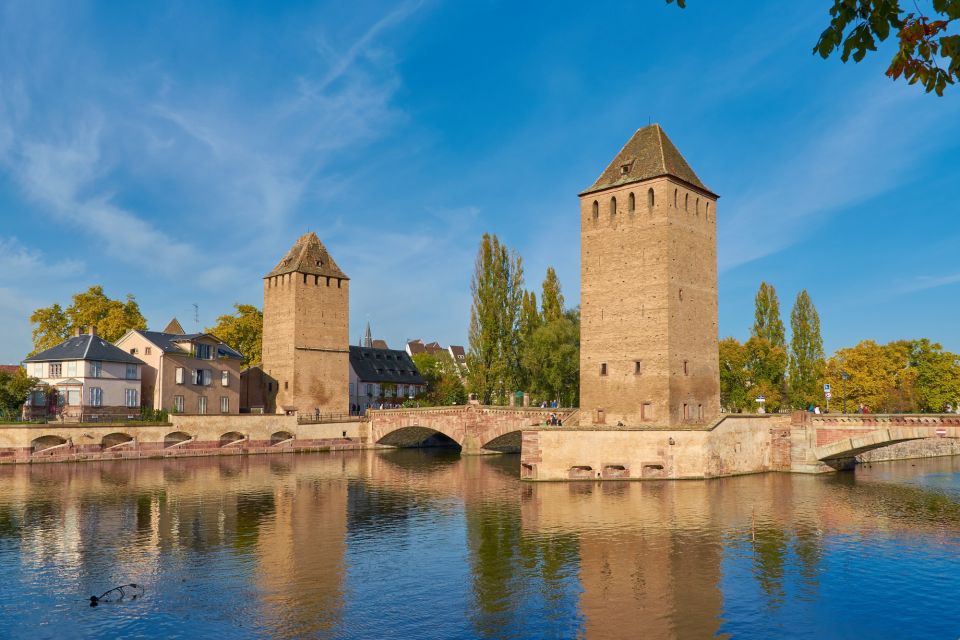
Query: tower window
<point x="328" y="281"/>
<point x="650" y="198"/>
<point x="685" y="368"/>
<point x="686" y="202"/>
<point x="603" y="368"/>
<point x="674" y="198"/>
<point x="286" y="385"/>
<point x="646" y="411"/>
<point x="596" y="210"/>
<point x="304" y="278"/>
<point x="613" y="207"/>
<point x="631" y="203"/>
<point x="624" y="169"/>
<point x="707" y="215"/>
<point x="698" y="206"/>
<point x="637" y="367"/>
<point x="681" y="294"/>
<point x="319" y="263"/>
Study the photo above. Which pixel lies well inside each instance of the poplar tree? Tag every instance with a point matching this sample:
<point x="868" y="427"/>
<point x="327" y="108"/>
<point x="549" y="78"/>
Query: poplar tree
<point x="766" y="320"/>
<point x="530" y="321"/>
<point x="497" y="289"/>
<point x="551" y="299"/>
<point x="806" y="353"/>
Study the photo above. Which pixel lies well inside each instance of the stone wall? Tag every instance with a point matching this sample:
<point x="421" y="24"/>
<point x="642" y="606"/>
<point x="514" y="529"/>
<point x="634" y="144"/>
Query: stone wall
<point x="926" y="448"/>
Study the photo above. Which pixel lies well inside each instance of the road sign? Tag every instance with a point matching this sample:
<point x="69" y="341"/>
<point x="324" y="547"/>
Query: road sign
<point x="761" y="399"/>
<point x="826" y="387"/>
<point x="941" y="431"/>
<point x="828" y="395"/>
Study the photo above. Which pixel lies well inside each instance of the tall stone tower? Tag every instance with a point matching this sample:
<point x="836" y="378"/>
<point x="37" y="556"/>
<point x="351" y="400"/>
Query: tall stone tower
<point x="648" y="233"/>
<point x="306" y="344"/>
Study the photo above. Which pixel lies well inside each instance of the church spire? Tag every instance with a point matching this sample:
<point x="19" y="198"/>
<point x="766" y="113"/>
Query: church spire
<point x="368" y="337"/>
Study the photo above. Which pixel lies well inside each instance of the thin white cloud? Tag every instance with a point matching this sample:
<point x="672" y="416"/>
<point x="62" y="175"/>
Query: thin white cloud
<point x="19" y="263"/>
<point x="923" y="283"/>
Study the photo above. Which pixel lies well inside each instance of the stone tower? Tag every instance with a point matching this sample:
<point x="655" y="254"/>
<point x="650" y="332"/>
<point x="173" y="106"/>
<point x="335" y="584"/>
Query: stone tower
<point x="306" y="344"/>
<point x="648" y="233"/>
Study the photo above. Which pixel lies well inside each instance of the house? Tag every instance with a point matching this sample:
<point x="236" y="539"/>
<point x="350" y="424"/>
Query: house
<point x="94" y="380"/>
<point x="459" y="355"/>
<point x="382" y="377"/>
<point x="191" y="373"/>
<point x="9" y="368"/>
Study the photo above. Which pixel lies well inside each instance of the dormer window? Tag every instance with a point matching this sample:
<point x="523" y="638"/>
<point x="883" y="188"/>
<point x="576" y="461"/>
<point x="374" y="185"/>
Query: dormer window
<point x="624" y="169"/>
<point x="203" y="351"/>
<point x="319" y="263"/>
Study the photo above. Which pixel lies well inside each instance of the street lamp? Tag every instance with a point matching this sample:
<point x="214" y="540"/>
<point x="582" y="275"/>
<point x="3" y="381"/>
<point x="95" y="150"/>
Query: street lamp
<point x="844" y="376"/>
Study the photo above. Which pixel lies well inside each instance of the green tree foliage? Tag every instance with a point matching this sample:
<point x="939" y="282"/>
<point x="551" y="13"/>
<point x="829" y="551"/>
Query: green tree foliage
<point x="937" y="382"/>
<point x="530" y="321"/>
<point x="928" y="51"/>
<point x="734" y="377"/>
<point x="14" y="388"/>
<point x="552" y="298"/>
<point x="112" y="318"/>
<point x="242" y="330"/>
<point x="766" y="318"/>
<point x="444" y="386"/>
<point x="766" y="364"/>
<point x="495" y="347"/>
<point x="806" y="353"/>
<point x="552" y="357"/>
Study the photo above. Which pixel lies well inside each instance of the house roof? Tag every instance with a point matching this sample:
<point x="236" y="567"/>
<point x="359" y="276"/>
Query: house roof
<point x="416" y="346"/>
<point x="85" y="347"/>
<point x="308" y="255"/>
<point x="9" y="368"/>
<point x="457" y="351"/>
<point x="379" y="344"/>
<point x="167" y="342"/>
<point x="648" y="154"/>
<point x="384" y="365"/>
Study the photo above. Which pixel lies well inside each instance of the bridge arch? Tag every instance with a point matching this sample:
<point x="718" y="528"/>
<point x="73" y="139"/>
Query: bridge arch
<point x="419" y="436"/>
<point x="231" y="438"/>
<point x="280" y="437"/>
<point x="46" y="442"/>
<point x="117" y="439"/>
<point x="508" y="441"/>
<point x="861" y="443"/>
<point x="176" y="438"/>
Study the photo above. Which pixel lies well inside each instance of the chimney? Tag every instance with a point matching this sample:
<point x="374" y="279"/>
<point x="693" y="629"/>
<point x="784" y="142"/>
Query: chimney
<point x="92" y="329"/>
<point x="76" y="332"/>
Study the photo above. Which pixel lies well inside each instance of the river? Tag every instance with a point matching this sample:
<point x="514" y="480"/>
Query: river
<point x="426" y="544"/>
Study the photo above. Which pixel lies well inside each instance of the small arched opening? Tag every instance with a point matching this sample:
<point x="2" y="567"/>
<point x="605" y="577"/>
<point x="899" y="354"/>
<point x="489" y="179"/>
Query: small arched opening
<point x="613" y="207"/>
<point x="674" y="198"/>
<point x="281" y="438"/>
<point x="232" y="438"/>
<point x="596" y="211"/>
<point x="686" y="202"/>
<point x="632" y="202"/>
<point x="47" y="443"/>
<point x="650" y="198"/>
<point x="176" y="439"/>
<point x="115" y="440"/>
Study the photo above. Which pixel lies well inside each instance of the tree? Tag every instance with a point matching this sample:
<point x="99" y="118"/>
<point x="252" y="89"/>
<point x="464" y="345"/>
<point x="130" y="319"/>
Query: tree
<point x="734" y="376"/>
<point x="444" y="386"/>
<point x="806" y="353"/>
<point x="766" y="364"/>
<point x="497" y="288"/>
<point x="767" y="323"/>
<point x="925" y="41"/>
<point x="937" y="381"/>
<point x="14" y="388"/>
<point x="112" y="318"/>
<point x="552" y="357"/>
<point x="530" y="321"/>
<point x="551" y="298"/>
<point x="243" y="331"/>
<point x="880" y="376"/>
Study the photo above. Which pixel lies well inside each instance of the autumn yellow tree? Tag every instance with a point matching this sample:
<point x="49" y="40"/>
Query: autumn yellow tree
<point x="112" y="318"/>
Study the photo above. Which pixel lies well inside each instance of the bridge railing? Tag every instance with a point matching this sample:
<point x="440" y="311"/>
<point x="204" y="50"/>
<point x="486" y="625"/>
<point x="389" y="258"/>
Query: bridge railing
<point x="323" y="418"/>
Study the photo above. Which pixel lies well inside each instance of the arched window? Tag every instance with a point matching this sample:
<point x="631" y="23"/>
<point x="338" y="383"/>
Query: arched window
<point x="686" y="202"/>
<point x="697" y="209"/>
<point x="613" y="207"/>
<point x="674" y="198"/>
<point x="596" y="210"/>
<point x="707" y="215"/>
<point x="650" y="198"/>
<point x="632" y="203"/>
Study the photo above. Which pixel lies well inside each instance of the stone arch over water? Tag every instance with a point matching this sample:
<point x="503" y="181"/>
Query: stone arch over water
<point x="418" y="436"/>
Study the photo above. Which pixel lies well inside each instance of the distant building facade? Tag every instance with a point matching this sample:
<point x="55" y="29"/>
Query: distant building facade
<point x="195" y="373"/>
<point x="648" y="351"/>
<point x="385" y="377"/>
<point x="456" y="352"/>
<point x="306" y="317"/>
<point x="93" y="379"/>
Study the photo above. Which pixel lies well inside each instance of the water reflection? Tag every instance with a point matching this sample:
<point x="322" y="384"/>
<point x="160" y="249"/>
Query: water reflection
<point x="429" y="544"/>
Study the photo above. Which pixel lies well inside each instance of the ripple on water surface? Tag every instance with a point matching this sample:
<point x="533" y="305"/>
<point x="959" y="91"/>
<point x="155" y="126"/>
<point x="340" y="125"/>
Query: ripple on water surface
<point x="425" y="544"/>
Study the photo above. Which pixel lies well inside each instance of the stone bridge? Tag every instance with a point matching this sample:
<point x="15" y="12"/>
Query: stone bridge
<point x="843" y="437"/>
<point x="474" y="428"/>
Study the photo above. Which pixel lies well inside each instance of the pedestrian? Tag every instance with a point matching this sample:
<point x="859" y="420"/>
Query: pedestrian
<point x="816" y="409"/>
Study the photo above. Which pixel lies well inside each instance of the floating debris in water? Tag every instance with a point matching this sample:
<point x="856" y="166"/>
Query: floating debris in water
<point x="130" y="591"/>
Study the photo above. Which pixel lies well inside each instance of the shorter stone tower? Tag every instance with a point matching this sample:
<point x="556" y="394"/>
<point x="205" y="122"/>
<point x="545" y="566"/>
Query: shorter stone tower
<point x="306" y="343"/>
<point x="648" y="342"/>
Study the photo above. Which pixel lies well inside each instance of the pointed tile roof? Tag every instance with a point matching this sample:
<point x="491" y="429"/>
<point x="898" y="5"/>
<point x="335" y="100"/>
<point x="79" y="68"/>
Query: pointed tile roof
<point x="648" y="154"/>
<point x="174" y="327"/>
<point x="308" y="255"/>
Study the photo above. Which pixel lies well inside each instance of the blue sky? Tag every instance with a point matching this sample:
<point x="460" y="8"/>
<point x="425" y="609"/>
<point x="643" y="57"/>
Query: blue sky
<point x="175" y="151"/>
